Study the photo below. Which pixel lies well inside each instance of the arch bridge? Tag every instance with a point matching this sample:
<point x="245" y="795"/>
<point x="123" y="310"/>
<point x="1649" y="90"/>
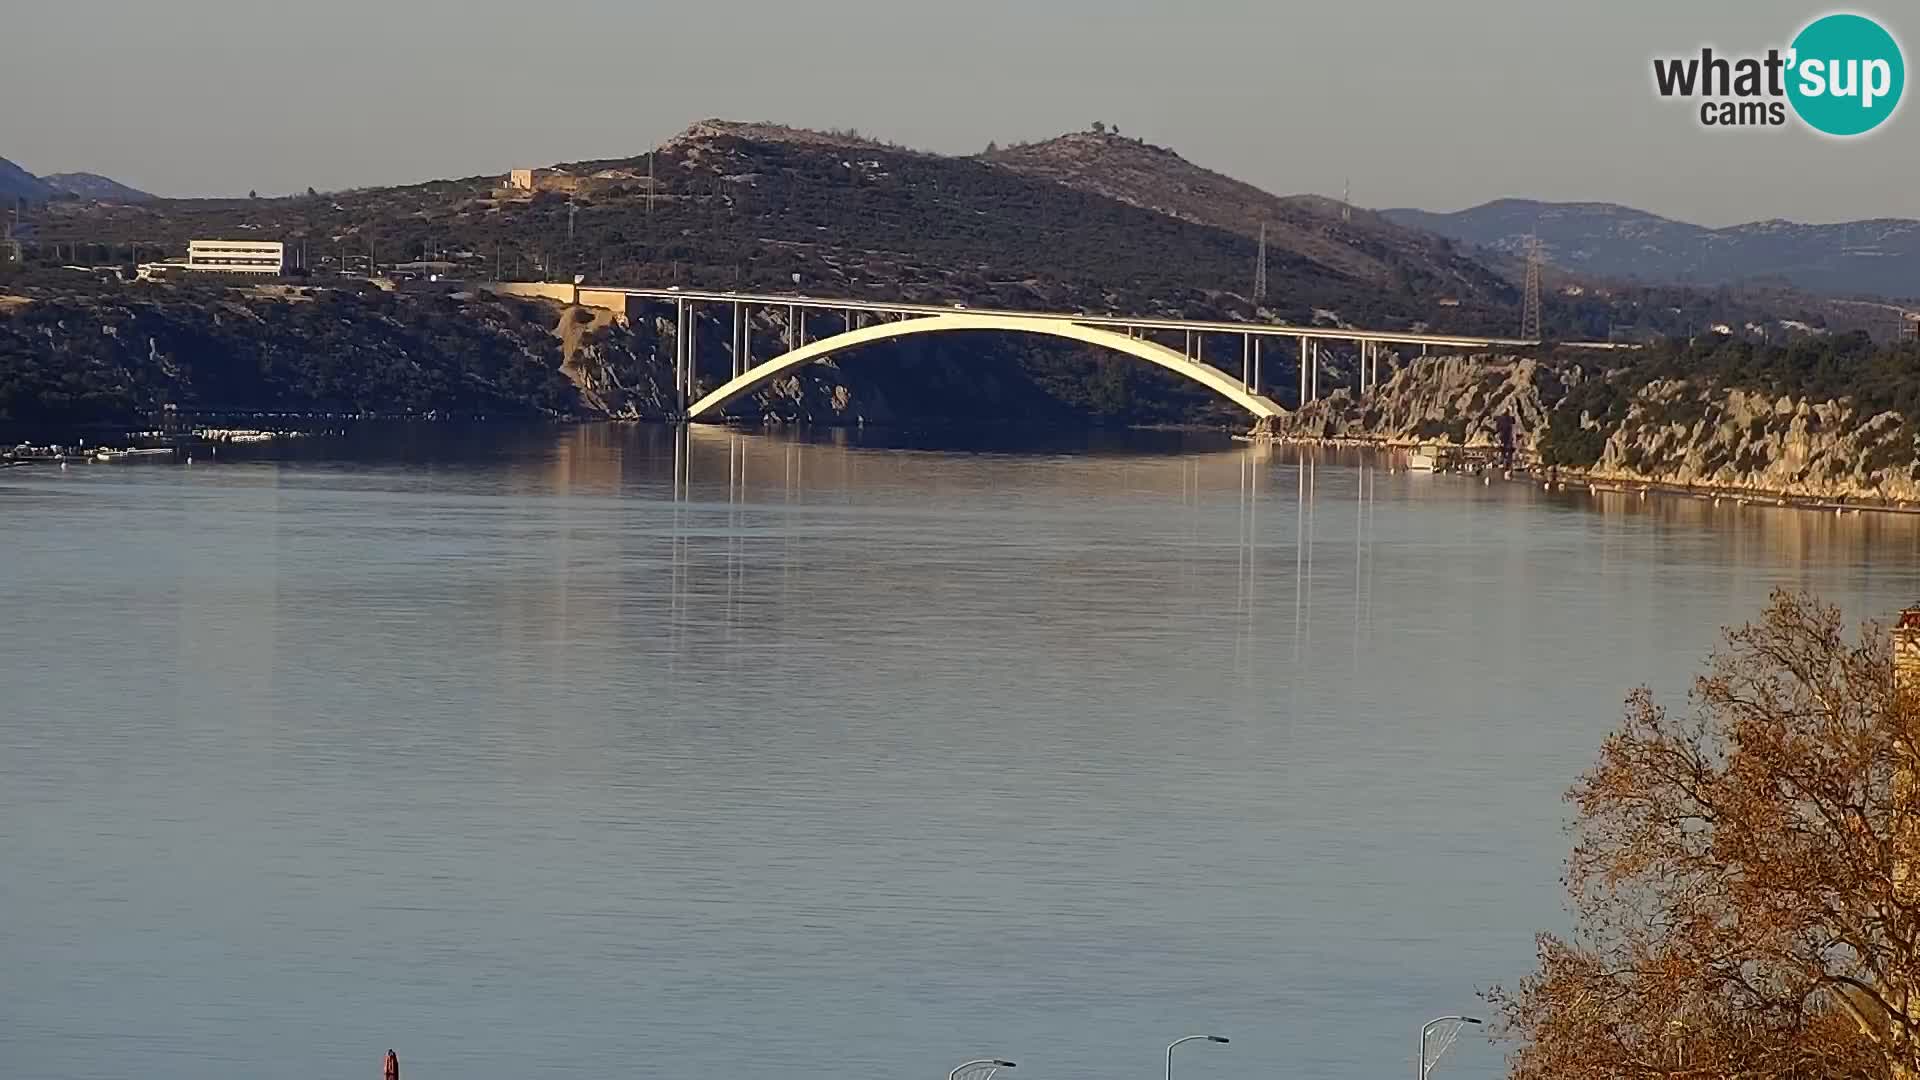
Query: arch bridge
<point x="862" y="322"/>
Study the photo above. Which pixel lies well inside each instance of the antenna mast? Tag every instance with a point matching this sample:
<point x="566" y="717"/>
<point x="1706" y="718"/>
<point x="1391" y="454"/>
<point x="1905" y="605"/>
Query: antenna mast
<point x="1346" y="201"/>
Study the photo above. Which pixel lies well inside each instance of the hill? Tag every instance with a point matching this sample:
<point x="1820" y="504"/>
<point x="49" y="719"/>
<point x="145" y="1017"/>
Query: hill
<point x="1878" y="257"/>
<point x="752" y="205"/>
<point x="1077" y="223"/>
<point x="1362" y="245"/>
<point x="18" y="183"/>
<point x="86" y="185"/>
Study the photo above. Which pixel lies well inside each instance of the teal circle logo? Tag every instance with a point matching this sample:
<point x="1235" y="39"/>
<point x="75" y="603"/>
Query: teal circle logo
<point x="1846" y="74"/>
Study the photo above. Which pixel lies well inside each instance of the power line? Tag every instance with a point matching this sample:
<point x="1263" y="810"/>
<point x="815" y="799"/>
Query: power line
<point x="1260" y="269"/>
<point x="1530" y="313"/>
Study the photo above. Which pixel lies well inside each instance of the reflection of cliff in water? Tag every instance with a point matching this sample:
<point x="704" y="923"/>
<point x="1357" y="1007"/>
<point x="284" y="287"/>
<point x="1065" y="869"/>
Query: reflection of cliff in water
<point x="1759" y="531"/>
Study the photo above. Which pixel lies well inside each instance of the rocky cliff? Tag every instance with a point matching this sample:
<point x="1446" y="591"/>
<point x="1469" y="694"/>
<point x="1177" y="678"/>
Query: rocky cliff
<point x="1740" y="440"/>
<point x="113" y="355"/>
<point x="1689" y="432"/>
<point x="1474" y="401"/>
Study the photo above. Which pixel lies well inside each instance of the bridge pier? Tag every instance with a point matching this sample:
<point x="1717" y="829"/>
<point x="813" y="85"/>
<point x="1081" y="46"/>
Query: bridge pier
<point x="692" y="353"/>
<point x="740" y="332"/>
<point x="1303" y="370"/>
<point x="1141" y="336"/>
<point x="680" y="352"/>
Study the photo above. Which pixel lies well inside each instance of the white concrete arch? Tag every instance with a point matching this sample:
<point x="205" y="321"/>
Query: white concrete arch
<point x="1207" y="375"/>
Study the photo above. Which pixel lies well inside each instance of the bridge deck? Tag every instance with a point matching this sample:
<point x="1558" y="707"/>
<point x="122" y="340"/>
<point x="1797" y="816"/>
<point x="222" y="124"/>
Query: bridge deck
<point x="1124" y="322"/>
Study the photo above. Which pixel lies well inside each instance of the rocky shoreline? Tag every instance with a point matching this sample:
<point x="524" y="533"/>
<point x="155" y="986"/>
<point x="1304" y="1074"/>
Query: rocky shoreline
<point x="1528" y="469"/>
<point x="1685" y="438"/>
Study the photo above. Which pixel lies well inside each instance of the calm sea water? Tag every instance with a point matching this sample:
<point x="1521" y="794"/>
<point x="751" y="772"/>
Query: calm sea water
<point x="591" y="752"/>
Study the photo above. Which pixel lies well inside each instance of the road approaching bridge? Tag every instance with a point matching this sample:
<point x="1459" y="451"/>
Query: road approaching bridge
<point x="866" y="321"/>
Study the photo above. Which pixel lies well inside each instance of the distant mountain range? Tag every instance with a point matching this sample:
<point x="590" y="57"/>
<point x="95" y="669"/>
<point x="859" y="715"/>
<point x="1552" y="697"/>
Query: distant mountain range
<point x="18" y="183"/>
<point x="1879" y="257"/>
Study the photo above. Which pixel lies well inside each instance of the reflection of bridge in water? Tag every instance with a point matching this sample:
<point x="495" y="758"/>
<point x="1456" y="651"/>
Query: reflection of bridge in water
<point x="1276" y="552"/>
<point x="849" y="324"/>
<point x="742" y="500"/>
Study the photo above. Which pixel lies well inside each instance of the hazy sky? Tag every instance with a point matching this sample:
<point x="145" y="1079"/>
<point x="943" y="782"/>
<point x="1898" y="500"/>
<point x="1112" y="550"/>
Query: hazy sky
<point x="1432" y="103"/>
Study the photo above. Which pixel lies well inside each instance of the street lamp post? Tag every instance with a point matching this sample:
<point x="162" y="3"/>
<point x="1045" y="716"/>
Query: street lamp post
<point x="993" y="1065"/>
<point x="1427" y="1029"/>
<point x="1188" y="1038"/>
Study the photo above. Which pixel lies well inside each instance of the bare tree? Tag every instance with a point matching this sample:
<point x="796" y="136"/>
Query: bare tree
<point x="1740" y="880"/>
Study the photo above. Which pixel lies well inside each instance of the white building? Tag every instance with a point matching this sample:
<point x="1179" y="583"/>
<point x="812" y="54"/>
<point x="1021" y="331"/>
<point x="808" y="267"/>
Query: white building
<point x="238" y="256"/>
